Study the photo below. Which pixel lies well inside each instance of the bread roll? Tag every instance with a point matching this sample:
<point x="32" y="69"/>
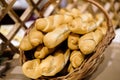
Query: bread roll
<point x="88" y="42"/>
<point x="49" y="66"/>
<point x="42" y="51"/>
<point x="31" y="40"/>
<point x="54" y="64"/>
<point x="70" y="68"/>
<point x="86" y="17"/>
<point x="76" y="58"/>
<point x="50" y="23"/>
<point x="31" y="69"/>
<point x="25" y="44"/>
<point x="35" y="37"/>
<point x="86" y="23"/>
<point x="73" y="12"/>
<point x="73" y="41"/>
<point x="57" y="36"/>
<point x="45" y="24"/>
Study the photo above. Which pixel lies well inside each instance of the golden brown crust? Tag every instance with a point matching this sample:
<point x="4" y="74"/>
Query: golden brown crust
<point x="73" y="41"/>
<point x="57" y="36"/>
<point x="42" y="51"/>
<point x="50" y="23"/>
<point x="85" y="23"/>
<point x="76" y="58"/>
<point x="25" y="44"/>
<point x="35" y="37"/>
<point x="88" y="42"/>
<point x="31" y="68"/>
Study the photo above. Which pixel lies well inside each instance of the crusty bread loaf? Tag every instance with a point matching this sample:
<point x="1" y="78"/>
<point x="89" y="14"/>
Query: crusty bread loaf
<point x="35" y="37"/>
<point x="57" y="36"/>
<point x="76" y="58"/>
<point x="85" y="23"/>
<point x="54" y="64"/>
<point x="31" y="40"/>
<point x="88" y="42"/>
<point x="31" y="68"/>
<point x="50" y="23"/>
<point x="25" y="44"/>
<point x="49" y="66"/>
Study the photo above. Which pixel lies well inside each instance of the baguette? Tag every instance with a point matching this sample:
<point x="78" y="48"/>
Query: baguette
<point x="85" y="23"/>
<point x="57" y="36"/>
<point x="73" y="12"/>
<point x="49" y="66"/>
<point x="50" y="23"/>
<point x="88" y="42"/>
<point x="31" y="40"/>
<point x="31" y="68"/>
<point x="54" y="64"/>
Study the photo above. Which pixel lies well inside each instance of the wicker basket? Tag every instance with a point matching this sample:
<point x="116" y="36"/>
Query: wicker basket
<point x="92" y="62"/>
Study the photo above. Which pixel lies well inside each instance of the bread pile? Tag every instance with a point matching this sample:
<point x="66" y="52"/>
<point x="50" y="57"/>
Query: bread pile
<point x="64" y="38"/>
